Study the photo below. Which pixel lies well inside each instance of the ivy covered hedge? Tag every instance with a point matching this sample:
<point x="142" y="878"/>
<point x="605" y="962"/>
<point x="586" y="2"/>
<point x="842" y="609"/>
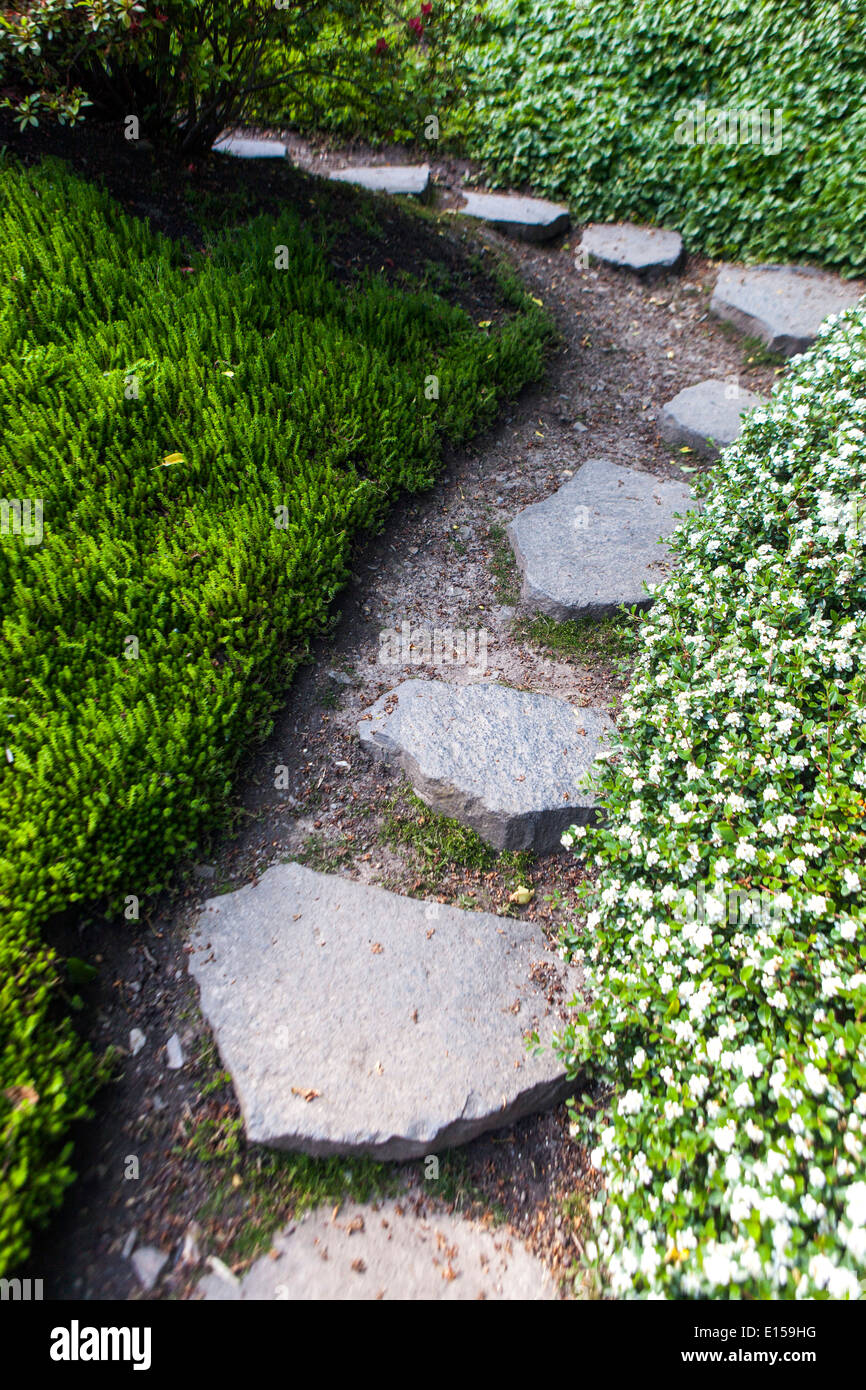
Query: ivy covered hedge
<point x="193" y="450"/>
<point x="726" y="951"/>
<point x="588" y="101"/>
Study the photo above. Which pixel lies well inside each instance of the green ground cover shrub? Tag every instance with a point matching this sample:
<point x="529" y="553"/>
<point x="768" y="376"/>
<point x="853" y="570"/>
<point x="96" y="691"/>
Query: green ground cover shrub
<point x="192" y="450"/>
<point x="725" y="949"/>
<point x="589" y="99"/>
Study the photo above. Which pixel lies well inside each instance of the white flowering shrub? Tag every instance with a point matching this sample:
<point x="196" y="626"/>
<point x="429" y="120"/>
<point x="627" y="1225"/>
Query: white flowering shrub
<point x="725" y="948"/>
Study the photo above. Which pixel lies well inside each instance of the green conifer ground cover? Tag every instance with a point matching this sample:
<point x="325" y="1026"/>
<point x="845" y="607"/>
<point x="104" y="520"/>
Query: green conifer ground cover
<point x="206" y="442"/>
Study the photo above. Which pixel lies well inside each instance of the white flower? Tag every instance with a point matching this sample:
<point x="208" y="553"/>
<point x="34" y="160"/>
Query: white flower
<point x="724" y="1136"/>
<point x="855" y="1204"/>
<point x="631" y="1103"/>
<point x="718" y="1268"/>
<point x="814" y="1079"/>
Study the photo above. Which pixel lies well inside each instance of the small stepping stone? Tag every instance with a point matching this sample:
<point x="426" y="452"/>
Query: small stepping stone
<point x="387" y="178"/>
<point x="783" y="305"/>
<point x="645" y="250"/>
<point x="244" y="148"/>
<point x="356" y="1021"/>
<point x="389" y="1250"/>
<point x="148" y="1263"/>
<point x="591" y="546"/>
<point x="508" y="763"/>
<point x="706" y="417"/>
<point x="528" y="219"/>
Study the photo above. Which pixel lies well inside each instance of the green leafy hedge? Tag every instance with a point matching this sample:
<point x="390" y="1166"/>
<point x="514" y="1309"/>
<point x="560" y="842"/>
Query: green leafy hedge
<point x="725" y="950"/>
<point x="206" y="442"/>
<point x="584" y="99"/>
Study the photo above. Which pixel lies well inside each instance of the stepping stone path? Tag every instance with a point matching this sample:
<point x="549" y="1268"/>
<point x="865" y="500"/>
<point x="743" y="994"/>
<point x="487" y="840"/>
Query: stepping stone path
<point x="388" y="1251"/>
<point x="387" y="178"/>
<point x="356" y="1021"/>
<point x="645" y="250"/>
<point x="591" y="546"/>
<point x="508" y="763"/>
<point x="706" y="417"/>
<point x="528" y="219"/>
<point x="783" y="305"/>
<point x="245" y="148"/>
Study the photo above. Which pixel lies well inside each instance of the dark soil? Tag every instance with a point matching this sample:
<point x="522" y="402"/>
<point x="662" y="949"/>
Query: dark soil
<point x="440" y="562"/>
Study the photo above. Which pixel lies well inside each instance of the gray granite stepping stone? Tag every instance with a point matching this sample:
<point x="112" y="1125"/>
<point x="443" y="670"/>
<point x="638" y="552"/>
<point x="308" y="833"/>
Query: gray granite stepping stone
<point x="246" y="148"/>
<point x="706" y="417"/>
<point x="148" y="1263"/>
<point x="508" y="763"/>
<point x="645" y="250"/>
<point x="388" y="1250"/>
<point x="783" y="305"/>
<point x="356" y="1021"/>
<point x="591" y="546"/>
<point x="528" y="219"/>
<point x="387" y="178"/>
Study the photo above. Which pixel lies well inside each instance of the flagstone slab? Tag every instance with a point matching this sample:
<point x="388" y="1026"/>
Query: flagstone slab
<point x="387" y="178"/>
<point x="783" y="305"/>
<point x="592" y="545"/>
<point x="394" y="1249"/>
<point x="507" y="763"/>
<point x="247" y="148"/>
<point x="356" y="1021"/>
<point x="706" y="417"/>
<point x="528" y="219"/>
<point x="644" y="250"/>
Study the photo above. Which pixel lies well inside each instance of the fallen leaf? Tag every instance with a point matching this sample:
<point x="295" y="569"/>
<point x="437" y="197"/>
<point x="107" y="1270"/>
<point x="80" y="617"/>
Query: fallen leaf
<point x="522" y="895"/>
<point x="307" y="1095"/>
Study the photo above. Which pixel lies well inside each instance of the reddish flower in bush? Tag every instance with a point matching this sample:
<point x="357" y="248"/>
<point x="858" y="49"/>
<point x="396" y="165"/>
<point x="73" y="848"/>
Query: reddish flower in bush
<point x="416" y="25"/>
<point x="427" y="9"/>
<point x="381" y="46"/>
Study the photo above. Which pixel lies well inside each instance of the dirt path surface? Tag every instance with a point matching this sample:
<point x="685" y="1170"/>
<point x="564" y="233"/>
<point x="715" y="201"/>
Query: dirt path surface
<point x="310" y="793"/>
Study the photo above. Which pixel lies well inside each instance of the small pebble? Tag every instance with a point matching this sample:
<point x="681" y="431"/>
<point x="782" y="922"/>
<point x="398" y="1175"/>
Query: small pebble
<point x="174" y="1052"/>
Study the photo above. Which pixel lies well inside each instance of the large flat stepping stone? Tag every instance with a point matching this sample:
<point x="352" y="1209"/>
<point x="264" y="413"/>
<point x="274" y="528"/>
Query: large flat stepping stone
<point x="783" y="305"/>
<point x="387" y="178"/>
<point x="247" y="148"/>
<point x="645" y="250"/>
<point x="528" y="219"/>
<point x="388" y="1251"/>
<point x="508" y="763"/>
<point x="591" y="546"/>
<point x="356" y="1021"/>
<point x="706" y="417"/>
